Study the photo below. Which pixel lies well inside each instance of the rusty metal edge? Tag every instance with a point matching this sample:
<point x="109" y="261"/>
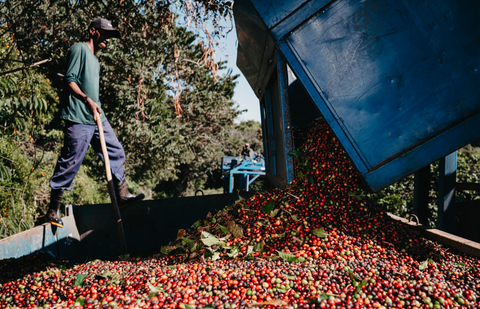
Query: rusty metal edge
<point x="60" y="242"/>
<point x="462" y="244"/>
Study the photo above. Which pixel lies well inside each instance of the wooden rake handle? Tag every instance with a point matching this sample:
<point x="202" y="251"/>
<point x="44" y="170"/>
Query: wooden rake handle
<point x="111" y="187"/>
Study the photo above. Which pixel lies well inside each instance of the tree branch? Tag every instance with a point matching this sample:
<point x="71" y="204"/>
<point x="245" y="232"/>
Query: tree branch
<point x="26" y="67"/>
<point x="7" y="159"/>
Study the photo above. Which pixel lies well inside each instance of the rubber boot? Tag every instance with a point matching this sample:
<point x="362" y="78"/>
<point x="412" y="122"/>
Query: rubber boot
<point x="124" y="197"/>
<point x="53" y="213"/>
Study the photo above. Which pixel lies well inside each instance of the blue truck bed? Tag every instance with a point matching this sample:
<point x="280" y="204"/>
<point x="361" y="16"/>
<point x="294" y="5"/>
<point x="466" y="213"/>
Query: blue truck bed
<point x="397" y="81"/>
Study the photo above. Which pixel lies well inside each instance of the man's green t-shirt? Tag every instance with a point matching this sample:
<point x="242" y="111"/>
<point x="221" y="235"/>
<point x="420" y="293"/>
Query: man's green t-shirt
<point x="83" y="69"/>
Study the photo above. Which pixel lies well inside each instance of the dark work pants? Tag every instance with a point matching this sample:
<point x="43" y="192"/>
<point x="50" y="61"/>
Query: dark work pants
<point x="76" y="141"/>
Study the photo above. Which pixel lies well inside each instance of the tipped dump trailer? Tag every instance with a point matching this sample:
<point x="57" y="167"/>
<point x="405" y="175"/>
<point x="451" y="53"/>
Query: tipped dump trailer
<point x="398" y="82"/>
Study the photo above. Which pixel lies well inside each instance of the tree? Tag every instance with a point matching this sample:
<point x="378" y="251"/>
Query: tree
<point x="23" y="114"/>
<point x="159" y="82"/>
<point x="245" y="132"/>
<point x="182" y="148"/>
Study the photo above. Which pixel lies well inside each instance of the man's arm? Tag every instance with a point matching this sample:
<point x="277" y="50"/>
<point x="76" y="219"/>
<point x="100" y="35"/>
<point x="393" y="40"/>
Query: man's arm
<point x="78" y="93"/>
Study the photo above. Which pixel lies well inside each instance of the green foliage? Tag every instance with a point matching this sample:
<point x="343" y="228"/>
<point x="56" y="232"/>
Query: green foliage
<point x="185" y="150"/>
<point x="320" y="233"/>
<point x="23" y="193"/>
<point x="80" y="279"/>
<point x="290" y="257"/>
<point x="148" y="76"/>
<point x="268" y="207"/>
<point x="87" y="190"/>
<point x="398" y="198"/>
<point x="468" y="164"/>
<point x="7" y="85"/>
<point x="245" y="132"/>
<point x="23" y="164"/>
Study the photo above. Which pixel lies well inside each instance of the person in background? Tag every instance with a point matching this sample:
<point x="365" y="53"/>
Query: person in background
<point x="258" y="158"/>
<point x="247" y="152"/>
<point x="78" y="107"/>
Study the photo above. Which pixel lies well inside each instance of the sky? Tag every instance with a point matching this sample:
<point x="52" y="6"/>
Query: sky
<point x="244" y="95"/>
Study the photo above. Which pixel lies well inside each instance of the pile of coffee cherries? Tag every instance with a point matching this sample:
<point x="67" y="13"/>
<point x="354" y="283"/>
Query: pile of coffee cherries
<point x="320" y="243"/>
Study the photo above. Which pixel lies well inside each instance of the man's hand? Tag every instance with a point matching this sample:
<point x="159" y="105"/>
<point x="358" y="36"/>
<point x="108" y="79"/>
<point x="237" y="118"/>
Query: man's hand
<point x="94" y="109"/>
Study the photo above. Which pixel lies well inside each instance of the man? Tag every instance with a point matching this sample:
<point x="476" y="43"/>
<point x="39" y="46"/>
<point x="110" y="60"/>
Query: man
<point x="78" y="107"/>
<point x="259" y="159"/>
<point x="247" y="152"/>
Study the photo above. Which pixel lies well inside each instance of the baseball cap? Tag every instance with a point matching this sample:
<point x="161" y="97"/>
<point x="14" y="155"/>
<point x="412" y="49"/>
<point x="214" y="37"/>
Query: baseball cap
<point x="101" y="23"/>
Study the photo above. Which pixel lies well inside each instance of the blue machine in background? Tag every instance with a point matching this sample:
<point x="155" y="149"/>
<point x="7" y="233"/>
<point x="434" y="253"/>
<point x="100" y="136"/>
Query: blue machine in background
<point x="245" y="171"/>
<point x="397" y="81"/>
